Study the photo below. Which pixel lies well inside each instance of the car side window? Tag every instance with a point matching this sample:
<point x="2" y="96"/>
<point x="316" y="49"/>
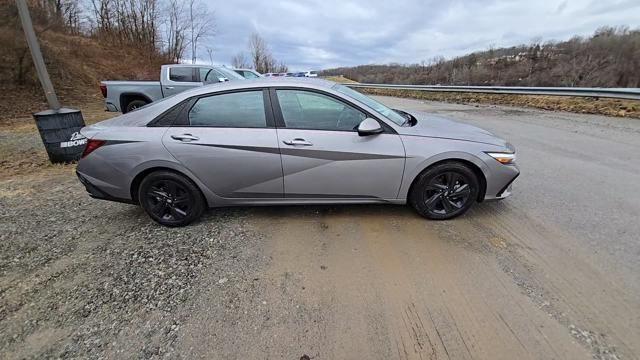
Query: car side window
<point x="241" y="109"/>
<point x="249" y="75"/>
<point x="309" y="110"/>
<point x="181" y="74"/>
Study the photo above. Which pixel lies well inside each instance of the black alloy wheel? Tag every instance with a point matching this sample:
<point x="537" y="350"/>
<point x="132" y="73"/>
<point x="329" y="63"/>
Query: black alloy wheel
<point x="170" y="199"/>
<point x="444" y="191"/>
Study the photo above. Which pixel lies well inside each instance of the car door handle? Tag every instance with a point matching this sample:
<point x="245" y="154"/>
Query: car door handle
<point x="297" y="141"/>
<point x="185" y="137"/>
<point x="169" y="87"/>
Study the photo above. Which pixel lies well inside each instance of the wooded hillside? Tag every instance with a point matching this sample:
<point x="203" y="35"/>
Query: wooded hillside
<point x="608" y="58"/>
<point x="84" y="42"/>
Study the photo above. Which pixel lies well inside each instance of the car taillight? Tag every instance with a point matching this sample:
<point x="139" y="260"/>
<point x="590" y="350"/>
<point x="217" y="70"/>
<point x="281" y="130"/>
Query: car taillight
<point x="103" y="90"/>
<point x="92" y="145"/>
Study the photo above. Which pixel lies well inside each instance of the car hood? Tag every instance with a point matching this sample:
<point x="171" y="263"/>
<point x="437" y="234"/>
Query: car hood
<point x="430" y="125"/>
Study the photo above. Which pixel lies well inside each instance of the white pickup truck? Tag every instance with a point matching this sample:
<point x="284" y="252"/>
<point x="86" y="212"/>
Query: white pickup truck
<point x="125" y="96"/>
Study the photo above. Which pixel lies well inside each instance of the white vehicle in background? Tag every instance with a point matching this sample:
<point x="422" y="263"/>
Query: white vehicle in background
<point x="126" y="96"/>
<point x="311" y="74"/>
<point x="248" y="73"/>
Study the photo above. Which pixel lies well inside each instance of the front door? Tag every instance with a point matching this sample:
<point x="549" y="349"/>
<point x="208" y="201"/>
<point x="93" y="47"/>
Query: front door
<point x="229" y="142"/>
<point x="324" y="157"/>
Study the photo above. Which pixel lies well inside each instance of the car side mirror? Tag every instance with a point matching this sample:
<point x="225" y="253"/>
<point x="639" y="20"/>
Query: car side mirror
<point x="369" y="126"/>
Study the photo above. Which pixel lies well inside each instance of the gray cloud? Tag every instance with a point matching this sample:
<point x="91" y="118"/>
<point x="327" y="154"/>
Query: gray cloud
<point x="317" y="34"/>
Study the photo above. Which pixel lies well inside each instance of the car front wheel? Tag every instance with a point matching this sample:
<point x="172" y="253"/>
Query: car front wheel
<point x="170" y="198"/>
<point x="444" y="191"/>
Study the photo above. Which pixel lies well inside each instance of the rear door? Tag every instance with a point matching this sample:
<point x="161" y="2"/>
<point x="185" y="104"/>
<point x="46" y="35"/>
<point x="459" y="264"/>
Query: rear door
<point x="228" y="140"/>
<point x="179" y="79"/>
<point x="323" y="156"/>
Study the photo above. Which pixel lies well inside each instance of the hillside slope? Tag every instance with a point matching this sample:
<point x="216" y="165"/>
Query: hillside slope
<point x="76" y="64"/>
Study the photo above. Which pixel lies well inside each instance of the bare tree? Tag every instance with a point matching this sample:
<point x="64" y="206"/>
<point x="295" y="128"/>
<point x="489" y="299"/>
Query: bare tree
<point x="261" y="57"/>
<point x="176" y="30"/>
<point x="239" y="61"/>
<point x="202" y="25"/>
<point x="259" y="52"/>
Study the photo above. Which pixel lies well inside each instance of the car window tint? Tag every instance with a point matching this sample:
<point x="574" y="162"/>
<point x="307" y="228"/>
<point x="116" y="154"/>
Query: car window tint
<point x="309" y="110"/>
<point x="242" y="109"/>
<point x="181" y="74"/>
<point x="249" y="75"/>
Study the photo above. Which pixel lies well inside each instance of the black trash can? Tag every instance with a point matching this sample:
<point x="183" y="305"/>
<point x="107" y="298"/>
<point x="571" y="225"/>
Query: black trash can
<point x="60" y="133"/>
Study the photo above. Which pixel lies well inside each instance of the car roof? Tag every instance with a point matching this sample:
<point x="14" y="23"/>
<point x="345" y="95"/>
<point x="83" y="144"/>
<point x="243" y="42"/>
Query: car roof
<point x="196" y="65"/>
<point x="258" y="83"/>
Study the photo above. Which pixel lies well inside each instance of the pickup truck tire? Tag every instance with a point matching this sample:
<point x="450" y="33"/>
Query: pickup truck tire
<point x="134" y="104"/>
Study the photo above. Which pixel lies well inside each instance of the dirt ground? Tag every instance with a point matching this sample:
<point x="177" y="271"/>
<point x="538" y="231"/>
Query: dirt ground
<point x="551" y="273"/>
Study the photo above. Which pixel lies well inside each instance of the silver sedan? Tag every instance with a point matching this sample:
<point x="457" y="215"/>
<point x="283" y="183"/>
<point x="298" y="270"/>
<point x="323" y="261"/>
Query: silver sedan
<point x="290" y="141"/>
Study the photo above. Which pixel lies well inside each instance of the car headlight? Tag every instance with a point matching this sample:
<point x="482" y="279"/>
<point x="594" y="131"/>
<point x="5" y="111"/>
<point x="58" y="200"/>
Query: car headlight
<point x="503" y="157"/>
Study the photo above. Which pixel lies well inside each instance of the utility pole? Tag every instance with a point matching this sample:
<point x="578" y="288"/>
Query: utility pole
<point x="59" y="127"/>
<point x="193" y="44"/>
<point x="36" y="54"/>
<point x="210" y="52"/>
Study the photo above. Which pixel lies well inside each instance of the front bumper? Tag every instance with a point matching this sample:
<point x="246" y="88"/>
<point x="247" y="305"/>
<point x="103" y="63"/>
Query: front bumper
<point x="506" y="191"/>
<point x="500" y="180"/>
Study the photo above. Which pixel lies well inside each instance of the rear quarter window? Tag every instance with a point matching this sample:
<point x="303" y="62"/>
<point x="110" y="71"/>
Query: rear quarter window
<point x="182" y="74"/>
<point x="240" y="109"/>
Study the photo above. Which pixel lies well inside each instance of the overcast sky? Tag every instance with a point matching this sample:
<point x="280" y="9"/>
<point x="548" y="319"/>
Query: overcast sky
<point x="319" y="34"/>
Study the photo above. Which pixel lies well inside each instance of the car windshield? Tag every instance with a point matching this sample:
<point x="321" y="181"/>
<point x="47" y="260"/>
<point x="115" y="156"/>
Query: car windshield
<point x="231" y="75"/>
<point x="388" y="113"/>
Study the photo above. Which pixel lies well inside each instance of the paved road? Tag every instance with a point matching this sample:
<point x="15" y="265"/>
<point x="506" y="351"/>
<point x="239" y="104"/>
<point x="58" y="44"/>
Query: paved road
<point x="552" y="272"/>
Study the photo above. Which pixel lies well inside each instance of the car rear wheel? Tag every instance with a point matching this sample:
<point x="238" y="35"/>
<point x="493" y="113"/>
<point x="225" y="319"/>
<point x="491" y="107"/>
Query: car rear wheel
<point x="170" y="199"/>
<point x="444" y="191"/>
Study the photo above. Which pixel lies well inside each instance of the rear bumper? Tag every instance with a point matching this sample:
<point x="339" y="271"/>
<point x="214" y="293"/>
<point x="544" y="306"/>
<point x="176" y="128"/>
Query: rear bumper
<point x="97" y="193"/>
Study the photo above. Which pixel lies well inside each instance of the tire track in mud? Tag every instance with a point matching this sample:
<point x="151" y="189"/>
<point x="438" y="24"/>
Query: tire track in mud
<point x="380" y="282"/>
<point x="552" y="270"/>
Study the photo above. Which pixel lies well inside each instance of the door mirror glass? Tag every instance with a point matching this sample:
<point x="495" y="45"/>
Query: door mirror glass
<point x="369" y="126"/>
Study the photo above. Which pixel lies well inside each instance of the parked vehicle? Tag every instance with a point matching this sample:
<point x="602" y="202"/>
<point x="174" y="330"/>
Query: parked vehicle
<point x="248" y="73"/>
<point x="290" y="141"/>
<point x="126" y="96"/>
<point x="311" y="74"/>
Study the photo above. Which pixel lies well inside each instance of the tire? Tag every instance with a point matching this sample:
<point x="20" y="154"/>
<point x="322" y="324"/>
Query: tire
<point x="134" y="104"/>
<point x="170" y="199"/>
<point x="444" y="191"/>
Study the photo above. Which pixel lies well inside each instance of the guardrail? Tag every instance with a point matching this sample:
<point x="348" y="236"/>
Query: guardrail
<point x="614" y="93"/>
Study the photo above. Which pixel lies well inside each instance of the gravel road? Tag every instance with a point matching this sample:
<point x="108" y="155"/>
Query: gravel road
<point x="552" y="272"/>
